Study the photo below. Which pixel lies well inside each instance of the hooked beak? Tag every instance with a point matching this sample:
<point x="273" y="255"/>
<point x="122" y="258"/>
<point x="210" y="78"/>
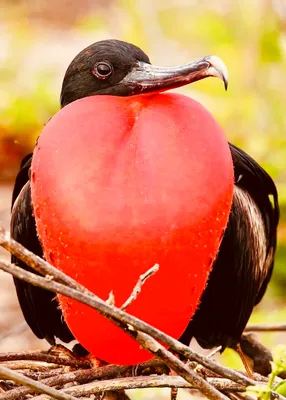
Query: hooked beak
<point x="146" y="78"/>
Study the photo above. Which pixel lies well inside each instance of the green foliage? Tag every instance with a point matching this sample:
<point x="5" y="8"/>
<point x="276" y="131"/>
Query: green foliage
<point x="278" y="367"/>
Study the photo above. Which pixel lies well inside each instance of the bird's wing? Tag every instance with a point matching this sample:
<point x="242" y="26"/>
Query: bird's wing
<point x="39" y="306"/>
<point x="245" y="260"/>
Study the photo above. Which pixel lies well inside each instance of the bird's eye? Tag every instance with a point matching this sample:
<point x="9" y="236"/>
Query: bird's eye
<point x="102" y="70"/>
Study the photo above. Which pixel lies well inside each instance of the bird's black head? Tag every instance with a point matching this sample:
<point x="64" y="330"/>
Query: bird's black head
<point x="113" y="67"/>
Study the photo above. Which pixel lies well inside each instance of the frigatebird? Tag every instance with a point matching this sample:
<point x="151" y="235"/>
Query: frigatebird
<point x="244" y="264"/>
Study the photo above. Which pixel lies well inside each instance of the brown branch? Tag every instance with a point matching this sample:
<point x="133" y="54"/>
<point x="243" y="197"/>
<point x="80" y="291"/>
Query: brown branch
<point x="37" y="386"/>
<point x="125" y="321"/>
<point x="44" y="356"/>
<point x="95" y="302"/>
<point x="36" y="262"/>
<point x="266" y="328"/>
<point x="30" y="365"/>
<point x="137" y="289"/>
<point x="140" y="382"/>
<point x="146" y="341"/>
<point x="88" y="375"/>
<point x="119" y="316"/>
<point x="178" y="366"/>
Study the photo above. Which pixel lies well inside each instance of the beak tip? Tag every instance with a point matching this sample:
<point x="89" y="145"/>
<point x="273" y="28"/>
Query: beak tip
<point x="225" y="82"/>
<point x="218" y="69"/>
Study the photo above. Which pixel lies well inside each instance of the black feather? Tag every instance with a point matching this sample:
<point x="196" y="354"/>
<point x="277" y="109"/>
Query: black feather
<point x="239" y="277"/>
<point x="39" y="306"/>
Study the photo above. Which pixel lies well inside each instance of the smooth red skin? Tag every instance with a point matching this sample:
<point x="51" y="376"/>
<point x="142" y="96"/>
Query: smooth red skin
<point x="119" y="184"/>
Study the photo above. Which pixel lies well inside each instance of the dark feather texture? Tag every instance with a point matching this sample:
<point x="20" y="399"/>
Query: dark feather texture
<point x="39" y="306"/>
<point x="245" y="260"/>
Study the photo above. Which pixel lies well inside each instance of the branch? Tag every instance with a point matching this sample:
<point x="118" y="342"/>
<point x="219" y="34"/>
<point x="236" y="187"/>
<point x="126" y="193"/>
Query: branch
<point x="266" y="328"/>
<point x="140" y="382"/>
<point x="179" y="367"/>
<point x="145" y="340"/>
<point x="130" y="324"/>
<point x="137" y="289"/>
<point x="37" y="386"/>
<point x="44" y="356"/>
<point x="87" y="375"/>
<point x="43" y="267"/>
<point x="119" y="316"/>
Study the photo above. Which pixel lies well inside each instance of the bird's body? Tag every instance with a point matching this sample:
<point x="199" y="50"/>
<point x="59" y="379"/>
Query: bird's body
<point x="244" y="263"/>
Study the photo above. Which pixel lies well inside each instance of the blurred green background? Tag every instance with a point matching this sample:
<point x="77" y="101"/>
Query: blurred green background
<point x="38" y="39"/>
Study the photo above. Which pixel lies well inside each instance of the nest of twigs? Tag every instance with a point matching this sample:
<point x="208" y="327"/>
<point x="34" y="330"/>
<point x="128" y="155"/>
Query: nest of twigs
<point x="57" y="374"/>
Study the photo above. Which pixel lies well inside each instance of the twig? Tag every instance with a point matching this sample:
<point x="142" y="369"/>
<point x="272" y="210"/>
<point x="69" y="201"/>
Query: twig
<point x="140" y="382"/>
<point x="214" y="352"/>
<point x="87" y="375"/>
<point x="43" y="356"/>
<point x="30" y="365"/>
<point x="37" y="386"/>
<point x="120" y="316"/>
<point x="93" y="301"/>
<point x="266" y="328"/>
<point x="35" y="262"/>
<point x="125" y="321"/>
<point x="137" y="289"/>
<point x="178" y="366"/>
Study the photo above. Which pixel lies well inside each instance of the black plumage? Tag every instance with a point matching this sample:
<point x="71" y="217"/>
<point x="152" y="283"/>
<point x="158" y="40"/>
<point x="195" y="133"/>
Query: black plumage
<point x="244" y="264"/>
<point x="245" y="260"/>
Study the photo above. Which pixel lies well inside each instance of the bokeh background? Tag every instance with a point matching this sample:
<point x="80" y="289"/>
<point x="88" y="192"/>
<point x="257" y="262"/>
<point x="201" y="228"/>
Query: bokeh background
<point x="39" y="38"/>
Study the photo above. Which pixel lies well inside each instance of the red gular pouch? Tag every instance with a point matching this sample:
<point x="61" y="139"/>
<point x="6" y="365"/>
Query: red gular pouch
<point x="120" y="184"/>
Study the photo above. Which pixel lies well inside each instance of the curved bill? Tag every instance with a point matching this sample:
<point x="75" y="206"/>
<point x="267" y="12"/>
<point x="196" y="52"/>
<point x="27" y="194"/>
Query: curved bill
<point x="146" y="78"/>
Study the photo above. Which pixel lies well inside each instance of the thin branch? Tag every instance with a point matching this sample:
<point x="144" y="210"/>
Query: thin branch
<point x="37" y="386"/>
<point x="125" y="321"/>
<point x="179" y="367"/>
<point x="95" y="302"/>
<point x="88" y="375"/>
<point x="35" y="262"/>
<point x="140" y="382"/>
<point x="119" y="316"/>
<point x="44" y="356"/>
<point x="30" y="365"/>
<point x="137" y="289"/>
<point x="214" y="352"/>
<point x="266" y="328"/>
<point x="146" y="341"/>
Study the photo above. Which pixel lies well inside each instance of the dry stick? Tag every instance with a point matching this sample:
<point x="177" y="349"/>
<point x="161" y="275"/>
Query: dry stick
<point x="141" y="382"/>
<point x="35" y="262"/>
<point x="137" y="288"/>
<point x="115" y="314"/>
<point x="38" y="386"/>
<point x="44" y="356"/>
<point x="43" y="267"/>
<point x="179" y="367"/>
<point x="145" y="340"/>
<point x="266" y="328"/>
<point x="30" y="365"/>
<point x="87" y="375"/>
<point x="112" y="312"/>
<point x="119" y="317"/>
